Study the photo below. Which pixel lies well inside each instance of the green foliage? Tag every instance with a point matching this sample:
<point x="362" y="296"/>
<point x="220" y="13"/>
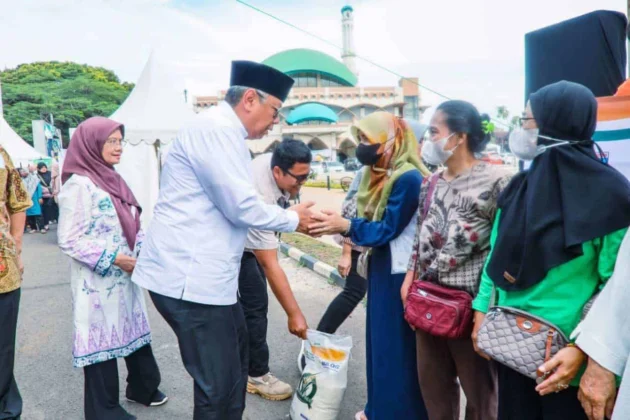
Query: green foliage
<point x="321" y="251"/>
<point x="334" y="185"/>
<point x="71" y="92"/>
<point x="503" y="113"/>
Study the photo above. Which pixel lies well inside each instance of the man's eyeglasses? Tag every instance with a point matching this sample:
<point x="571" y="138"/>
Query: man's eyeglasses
<point x="276" y="111"/>
<point x="263" y="99"/>
<point x="298" y="178"/>
<point x="116" y="142"/>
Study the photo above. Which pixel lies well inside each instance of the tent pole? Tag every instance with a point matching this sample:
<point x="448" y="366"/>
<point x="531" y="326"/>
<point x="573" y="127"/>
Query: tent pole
<point x="158" y="152"/>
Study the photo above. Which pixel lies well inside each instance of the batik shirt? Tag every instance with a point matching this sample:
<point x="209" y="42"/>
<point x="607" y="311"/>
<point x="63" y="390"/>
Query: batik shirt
<point x="13" y="199"/>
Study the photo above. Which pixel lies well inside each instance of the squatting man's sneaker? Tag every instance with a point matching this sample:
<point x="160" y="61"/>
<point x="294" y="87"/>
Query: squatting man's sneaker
<point x="269" y="387"/>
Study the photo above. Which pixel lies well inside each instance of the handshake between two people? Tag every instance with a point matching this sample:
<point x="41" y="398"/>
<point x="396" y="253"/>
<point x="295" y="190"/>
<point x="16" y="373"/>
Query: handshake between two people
<point x="316" y="224"/>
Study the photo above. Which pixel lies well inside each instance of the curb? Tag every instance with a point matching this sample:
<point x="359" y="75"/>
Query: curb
<point x="329" y="273"/>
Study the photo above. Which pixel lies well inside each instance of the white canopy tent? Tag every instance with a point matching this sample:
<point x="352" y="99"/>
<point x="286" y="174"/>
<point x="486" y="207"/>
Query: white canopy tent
<point x="152" y="114"/>
<point x="19" y="150"/>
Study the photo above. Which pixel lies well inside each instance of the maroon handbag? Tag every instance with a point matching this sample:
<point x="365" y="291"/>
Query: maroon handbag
<point x="438" y="310"/>
<point x="434" y="309"/>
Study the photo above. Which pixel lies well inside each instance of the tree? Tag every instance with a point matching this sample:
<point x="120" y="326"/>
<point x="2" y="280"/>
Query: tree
<point x="515" y="122"/>
<point x="503" y="113"/>
<point x="71" y="92"/>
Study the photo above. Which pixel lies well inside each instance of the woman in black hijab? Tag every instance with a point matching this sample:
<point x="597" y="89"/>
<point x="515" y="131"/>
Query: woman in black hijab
<point x="45" y="179"/>
<point x="555" y="241"/>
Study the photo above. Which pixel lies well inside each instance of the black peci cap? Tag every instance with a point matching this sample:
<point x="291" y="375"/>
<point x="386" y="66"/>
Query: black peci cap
<point x="259" y="76"/>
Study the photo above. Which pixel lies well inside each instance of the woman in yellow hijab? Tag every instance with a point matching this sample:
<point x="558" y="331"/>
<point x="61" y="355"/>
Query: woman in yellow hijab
<point x="387" y="204"/>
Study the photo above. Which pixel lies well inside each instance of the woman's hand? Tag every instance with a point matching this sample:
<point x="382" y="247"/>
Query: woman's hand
<point x="404" y="289"/>
<point x="564" y="365"/>
<point x="479" y="317"/>
<point x="345" y="263"/>
<point x="328" y="223"/>
<point x="126" y="264"/>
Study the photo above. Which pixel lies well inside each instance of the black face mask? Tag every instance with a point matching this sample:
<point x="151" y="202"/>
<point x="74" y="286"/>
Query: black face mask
<point x="368" y="155"/>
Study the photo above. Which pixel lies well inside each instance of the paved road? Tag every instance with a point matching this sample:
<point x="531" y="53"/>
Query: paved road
<point x="53" y="389"/>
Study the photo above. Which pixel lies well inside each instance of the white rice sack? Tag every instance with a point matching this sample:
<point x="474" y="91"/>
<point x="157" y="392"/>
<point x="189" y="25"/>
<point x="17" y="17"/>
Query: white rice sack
<point x="320" y="392"/>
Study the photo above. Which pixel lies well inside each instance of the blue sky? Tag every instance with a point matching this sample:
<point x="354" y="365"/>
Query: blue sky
<point x="468" y="50"/>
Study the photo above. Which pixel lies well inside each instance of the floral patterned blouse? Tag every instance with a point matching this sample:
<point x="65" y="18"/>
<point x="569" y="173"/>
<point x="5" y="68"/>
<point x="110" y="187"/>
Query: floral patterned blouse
<point x="110" y="313"/>
<point x="13" y="199"/>
<point x="453" y="240"/>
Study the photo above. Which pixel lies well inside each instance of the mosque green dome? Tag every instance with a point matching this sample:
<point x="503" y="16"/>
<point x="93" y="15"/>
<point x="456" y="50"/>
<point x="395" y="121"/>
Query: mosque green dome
<point x="312" y="111"/>
<point x="302" y="60"/>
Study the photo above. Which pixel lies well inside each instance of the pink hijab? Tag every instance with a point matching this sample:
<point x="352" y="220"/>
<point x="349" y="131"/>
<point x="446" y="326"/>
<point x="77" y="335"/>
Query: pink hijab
<point x="84" y="157"/>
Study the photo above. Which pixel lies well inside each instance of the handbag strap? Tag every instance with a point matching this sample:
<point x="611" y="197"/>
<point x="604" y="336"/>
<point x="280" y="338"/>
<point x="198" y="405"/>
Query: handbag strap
<point x="43" y="181"/>
<point x="425" y="210"/>
<point x="427" y="200"/>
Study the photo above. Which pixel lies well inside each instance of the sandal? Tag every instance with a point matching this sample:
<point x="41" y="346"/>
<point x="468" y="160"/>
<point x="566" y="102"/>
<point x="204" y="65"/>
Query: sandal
<point x="360" y="416"/>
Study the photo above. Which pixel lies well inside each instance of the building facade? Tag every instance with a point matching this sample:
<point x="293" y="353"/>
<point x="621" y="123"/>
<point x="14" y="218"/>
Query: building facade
<point x="327" y="99"/>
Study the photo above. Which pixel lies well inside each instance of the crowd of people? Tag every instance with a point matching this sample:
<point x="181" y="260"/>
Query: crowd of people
<point x="43" y="188"/>
<point x="443" y="257"/>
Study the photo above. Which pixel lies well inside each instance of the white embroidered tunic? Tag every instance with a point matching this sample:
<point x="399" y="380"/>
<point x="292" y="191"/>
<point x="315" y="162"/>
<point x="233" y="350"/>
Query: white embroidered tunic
<point x="110" y="314"/>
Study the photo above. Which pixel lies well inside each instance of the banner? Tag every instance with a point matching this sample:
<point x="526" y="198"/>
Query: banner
<point x="53" y="142"/>
<point x="588" y="49"/>
<point x="613" y="131"/>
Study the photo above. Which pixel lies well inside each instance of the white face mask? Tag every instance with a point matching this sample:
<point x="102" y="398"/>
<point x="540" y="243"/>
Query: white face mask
<point x="433" y="152"/>
<point x="524" y="143"/>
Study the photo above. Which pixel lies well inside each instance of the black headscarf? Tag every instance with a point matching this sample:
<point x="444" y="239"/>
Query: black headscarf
<point x="567" y="197"/>
<point x="44" y="176"/>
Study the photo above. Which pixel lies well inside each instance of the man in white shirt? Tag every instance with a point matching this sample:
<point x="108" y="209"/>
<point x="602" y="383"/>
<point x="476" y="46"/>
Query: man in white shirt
<point x="191" y="255"/>
<point x="278" y="177"/>
<point x="604" y="335"/>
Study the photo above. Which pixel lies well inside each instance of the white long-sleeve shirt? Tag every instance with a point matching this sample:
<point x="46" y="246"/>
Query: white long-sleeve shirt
<point x="207" y="202"/>
<point x="605" y="332"/>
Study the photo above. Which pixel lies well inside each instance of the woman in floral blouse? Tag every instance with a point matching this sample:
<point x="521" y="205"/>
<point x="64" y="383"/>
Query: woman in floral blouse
<point x="100" y="230"/>
<point x="451" y="245"/>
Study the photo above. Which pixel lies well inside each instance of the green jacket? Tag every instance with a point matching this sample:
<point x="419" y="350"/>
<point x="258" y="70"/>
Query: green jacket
<point x="562" y="294"/>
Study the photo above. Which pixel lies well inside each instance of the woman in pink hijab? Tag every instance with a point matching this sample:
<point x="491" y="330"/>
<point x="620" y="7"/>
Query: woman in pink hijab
<point x="99" y="228"/>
